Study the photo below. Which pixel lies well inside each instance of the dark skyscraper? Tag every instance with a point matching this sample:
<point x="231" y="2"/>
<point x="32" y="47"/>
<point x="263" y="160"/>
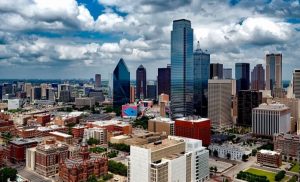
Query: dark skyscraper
<point x="216" y="69"/>
<point x="182" y="69"/>
<point x="97" y="81"/>
<point x="247" y="100"/>
<point x="273" y="71"/>
<point x="201" y="76"/>
<point x="151" y="91"/>
<point x="141" y="82"/>
<point x="258" y="78"/>
<point x="164" y="80"/>
<point x="1" y="91"/>
<point x="242" y="76"/>
<point x="121" y="84"/>
<point x="227" y="73"/>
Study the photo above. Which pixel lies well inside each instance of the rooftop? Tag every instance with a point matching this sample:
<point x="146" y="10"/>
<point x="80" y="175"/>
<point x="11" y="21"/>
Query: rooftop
<point x="61" y="134"/>
<point x="161" y="119"/>
<point x="269" y="152"/>
<point x="23" y="141"/>
<point x="164" y="144"/>
<point x="273" y="107"/>
<point x="192" y="119"/>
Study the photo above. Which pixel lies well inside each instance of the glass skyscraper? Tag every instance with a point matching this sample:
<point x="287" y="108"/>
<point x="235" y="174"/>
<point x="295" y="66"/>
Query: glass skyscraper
<point x="273" y="71"/>
<point x="141" y="82"/>
<point x="242" y="76"/>
<point x="201" y="76"/>
<point x="164" y="80"/>
<point x="121" y="84"/>
<point x="258" y="78"/>
<point x="182" y="69"/>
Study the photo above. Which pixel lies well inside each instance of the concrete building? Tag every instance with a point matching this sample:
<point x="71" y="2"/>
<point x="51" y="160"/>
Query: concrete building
<point x="62" y="137"/>
<point x="30" y="158"/>
<point x="96" y="133"/>
<point x="235" y="152"/>
<point x="288" y="145"/>
<point x="172" y="159"/>
<point x="84" y="101"/>
<point x="269" y="158"/>
<point x="162" y="125"/>
<point x="268" y="119"/>
<point x="97" y="81"/>
<point x="14" y="104"/>
<point x="296" y="83"/>
<point x="219" y="102"/>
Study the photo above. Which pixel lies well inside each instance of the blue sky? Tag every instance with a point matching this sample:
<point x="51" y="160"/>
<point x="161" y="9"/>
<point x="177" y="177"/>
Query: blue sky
<point x="76" y="39"/>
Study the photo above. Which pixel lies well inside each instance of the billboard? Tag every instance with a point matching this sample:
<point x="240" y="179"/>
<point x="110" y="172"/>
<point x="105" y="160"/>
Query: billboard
<point x="129" y="111"/>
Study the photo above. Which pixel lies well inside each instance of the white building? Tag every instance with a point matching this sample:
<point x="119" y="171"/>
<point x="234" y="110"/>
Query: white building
<point x="13" y="104"/>
<point x="172" y="159"/>
<point x="96" y="133"/>
<point x="236" y="152"/>
<point x="85" y="101"/>
<point x="30" y="158"/>
<point x="268" y="119"/>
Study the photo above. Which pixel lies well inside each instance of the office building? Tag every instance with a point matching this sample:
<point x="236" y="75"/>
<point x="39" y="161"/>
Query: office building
<point x="288" y="145"/>
<point x="48" y="155"/>
<point x="64" y="96"/>
<point x="17" y="149"/>
<point x="296" y="83"/>
<point x="121" y="84"/>
<point x="258" y="78"/>
<point x="236" y="152"/>
<point x="151" y="91"/>
<point x="192" y="127"/>
<point x="182" y="69"/>
<point x="219" y="103"/>
<point x="242" y="71"/>
<point x="132" y="93"/>
<point x="1" y="91"/>
<point x="162" y="125"/>
<point x="201" y="76"/>
<point x="247" y="100"/>
<point x="97" y="81"/>
<point x="30" y="158"/>
<point x="216" y="70"/>
<point x="36" y="93"/>
<point x="227" y="73"/>
<point x="85" y="102"/>
<point x="141" y="82"/>
<point x="97" y="95"/>
<point x="164" y="80"/>
<point x="96" y="133"/>
<point x="44" y="87"/>
<point x="269" y="158"/>
<point x="172" y="159"/>
<point x="268" y="119"/>
<point x="14" y="104"/>
<point x="273" y="71"/>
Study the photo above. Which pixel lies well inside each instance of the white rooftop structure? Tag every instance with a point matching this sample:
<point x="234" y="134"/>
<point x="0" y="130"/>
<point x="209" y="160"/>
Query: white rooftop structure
<point x="275" y="106"/>
<point x="269" y="152"/>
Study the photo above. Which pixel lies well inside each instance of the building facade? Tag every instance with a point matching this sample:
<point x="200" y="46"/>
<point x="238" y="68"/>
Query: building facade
<point x="97" y="81"/>
<point x="231" y="151"/>
<point x="201" y="76"/>
<point x="162" y="125"/>
<point x="268" y="119"/>
<point x="269" y="158"/>
<point x="288" y="145"/>
<point x="164" y="80"/>
<point x="227" y="73"/>
<point x="296" y="83"/>
<point x="258" y="78"/>
<point x="242" y="71"/>
<point x="219" y="103"/>
<point x="182" y="69"/>
<point x="121" y="84"/>
<point x="141" y="82"/>
<point x="273" y="71"/>
<point x="216" y="70"/>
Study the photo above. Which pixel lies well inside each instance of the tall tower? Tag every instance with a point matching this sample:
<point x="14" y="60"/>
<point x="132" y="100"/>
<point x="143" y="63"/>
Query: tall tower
<point x="273" y="71"/>
<point x="201" y="76"/>
<point x="242" y="76"/>
<point x="258" y="78"/>
<point x="296" y="83"/>
<point x="216" y="70"/>
<point x="141" y="82"/>
<point x="182" y="69"/>
<point x="97" y="81"/>
<point x="164" y="80"/>
<point x="121" y="84"/>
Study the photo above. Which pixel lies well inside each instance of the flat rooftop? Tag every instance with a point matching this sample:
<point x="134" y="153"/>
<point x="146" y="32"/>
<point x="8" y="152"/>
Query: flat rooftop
<point x="192" y="119"/>
<point x="269" y="152"/>
<point x="164" y="144"/>
<point x="163" y="120"/>
<point x="61" y="134"/>
<point x="23" y="141"/>
<point x="273" y="107"/>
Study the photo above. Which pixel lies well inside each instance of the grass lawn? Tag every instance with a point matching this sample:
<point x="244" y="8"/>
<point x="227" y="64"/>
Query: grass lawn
<point x="269" y="175"/>
<point x="295" y="168"/>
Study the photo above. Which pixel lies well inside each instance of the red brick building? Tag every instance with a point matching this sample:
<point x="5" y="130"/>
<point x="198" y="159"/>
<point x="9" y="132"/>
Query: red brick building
<point x="269" y="158"/>
<point x="16" y="149"/>
<point x="43" y="119"/>
<point x="78" y="131"/>
<point x="194" y="128"/>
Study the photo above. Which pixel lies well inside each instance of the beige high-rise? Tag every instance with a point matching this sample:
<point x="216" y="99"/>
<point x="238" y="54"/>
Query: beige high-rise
<point x="273" y="71"/>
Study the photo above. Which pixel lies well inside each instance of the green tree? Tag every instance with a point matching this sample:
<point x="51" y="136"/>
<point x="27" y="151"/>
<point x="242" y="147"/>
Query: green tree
<point x="280" y="175"/>
<point x="8" y="173"/>
<point x="228" y="155"/>
<point x="117" y="168"/>
<point x="254" y="152"/>
<point x="244" y="157"/>
<point x="92" y="141"/>
<point x="92" y="178"/>
<point x="215" y="153"/>
<point x="215" y="169"/>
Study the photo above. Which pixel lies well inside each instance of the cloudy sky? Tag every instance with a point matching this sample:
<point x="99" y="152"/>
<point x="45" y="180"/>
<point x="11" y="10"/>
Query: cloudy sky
<point x="76" y="39"/>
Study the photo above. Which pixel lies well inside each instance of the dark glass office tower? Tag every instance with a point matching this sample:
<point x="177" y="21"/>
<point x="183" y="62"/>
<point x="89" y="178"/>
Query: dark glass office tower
<point x="151" y="91"/>
<point x="216" y="70"/>
<point x="201" y="76"/>
<point x="182" y="69"/>
<point x="258" y="78"/>
<point x="273" y="71"/>
<point x="121" y="84"/>
<point x="1" y="86"/>
<point x="242" y="76"/>
<point x="164" y="80"/>
<point x="141" y="82"/>
<point x="247" y="100"/>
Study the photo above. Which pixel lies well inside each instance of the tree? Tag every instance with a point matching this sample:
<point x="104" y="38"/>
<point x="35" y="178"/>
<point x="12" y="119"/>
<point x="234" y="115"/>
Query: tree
<point x="280" y="175"/>
<point x="244" y="157"/>
<point x="215" y="169"/>
<point x="92" y="179"/>
<point x="211" y="168"/>
<point x="92" y="141"/>
<point x="8" y="173"/>
<point x="215" y="153"/>
<point x="228" y="155"/>
<point x="117" y="168"/>
<point x="254" y="152"/>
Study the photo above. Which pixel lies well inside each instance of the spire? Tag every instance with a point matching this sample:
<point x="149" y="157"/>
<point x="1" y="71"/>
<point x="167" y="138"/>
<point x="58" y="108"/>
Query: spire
<point x="198" y="45"/>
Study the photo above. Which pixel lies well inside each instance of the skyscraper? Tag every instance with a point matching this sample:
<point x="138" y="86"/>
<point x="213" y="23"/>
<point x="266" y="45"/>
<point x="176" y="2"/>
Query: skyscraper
<point x="216" y="70"/>
<point x="182" y="69"/>
<point x="164" y="80"/>
<point x="141" y="82"/>
<point x="258" y="78"/>
<point x="296" y="83"/>
<point x="151" y="91"/>
<point x="242" y="76"/>
<point x="201" y="76"/>
<point x="97" y="81"/>
<point x="227" y="73"/>
<point x="121" y="84"/>
<point x="273" y="71"/>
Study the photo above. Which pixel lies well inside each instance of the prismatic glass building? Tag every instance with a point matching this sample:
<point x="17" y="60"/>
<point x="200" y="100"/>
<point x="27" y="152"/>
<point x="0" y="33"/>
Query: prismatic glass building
<point x="121" y="84"/>
<point x="141" y="82"/>
<point x="273" y="71"/>
<point x="182" y="69"/>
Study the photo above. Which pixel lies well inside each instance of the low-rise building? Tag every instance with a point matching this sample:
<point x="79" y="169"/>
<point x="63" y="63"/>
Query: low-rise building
<point x="162" y="125"/>
<point x="269" y="158"/>
<point x="85" y="101"/>
<point x="62" y="137"/>
<point x="288" y="145"/>
<point x="231" y="151"/>
<point x="43" y="119"/>
<point x="78" y="131"/>
<point x="96" y="133"/>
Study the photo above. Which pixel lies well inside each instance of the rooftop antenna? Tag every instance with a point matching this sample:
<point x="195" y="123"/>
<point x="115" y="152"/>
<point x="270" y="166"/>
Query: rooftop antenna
<point x="198" y="45"/>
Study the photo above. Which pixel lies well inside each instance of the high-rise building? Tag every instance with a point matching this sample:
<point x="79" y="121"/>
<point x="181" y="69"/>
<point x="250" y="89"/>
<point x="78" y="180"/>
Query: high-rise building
<point x="141" y="82"/>
<point x="164" y="80"/>
<point x="273" y="71"/>
<point x="151" y="91"/>
<point x="216" y="70"/>
<point x="296" y="83"/>
<point x="201" y="76"/>
<point x="121" y="84"/>
<point x="97" y="81"/>
<point x="247" y="100"/>
<point x="172" y="159"/>
<point x="242" y="71"/>
<point x="268" y="119"/>
<point x="1" y="89"/>
<point x="219" y="103"/>
<point x="132" y="93"/>
<point x="258" y="78"/>
<point x="182" y="69"/>
<point x="36" y="93"/>
<point x="27" y="89"/>
<point x="44" y="87"/>
<point x="227" y="73"/>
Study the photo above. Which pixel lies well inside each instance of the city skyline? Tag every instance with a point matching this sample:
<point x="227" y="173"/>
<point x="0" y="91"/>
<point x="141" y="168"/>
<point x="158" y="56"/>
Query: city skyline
<point x="94" y="35"/>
